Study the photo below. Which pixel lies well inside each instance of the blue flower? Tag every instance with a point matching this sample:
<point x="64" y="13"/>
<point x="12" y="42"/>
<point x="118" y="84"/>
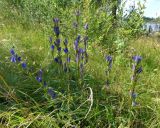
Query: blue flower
<point x="137" y="59"/>
<point x="40" y="72"/>
<point x="59" y="49"/>
<point x="12" y="51"/>
<point x="39" y="79"/>
<point x="19" y="58"/>
<point x="52" y="93"/>
<point x="109" y="58"/>
<point x="24" y="65"/>
<point x="80" y="50"/>
<point x="56" y="59"/>
<point x="56" y="20"/>
<point x="52" y="47"/>
<point x="56" y="30"/>
<point x="133" y="95"/>
<point x="13" y="59"/>
<point x="77" y="41"/>
<point x="57" y="42"/>
<point x="66" y="50"/>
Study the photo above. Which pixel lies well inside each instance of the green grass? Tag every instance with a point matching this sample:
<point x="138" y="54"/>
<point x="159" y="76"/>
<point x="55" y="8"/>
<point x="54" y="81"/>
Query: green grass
<point x="23" y="103"/>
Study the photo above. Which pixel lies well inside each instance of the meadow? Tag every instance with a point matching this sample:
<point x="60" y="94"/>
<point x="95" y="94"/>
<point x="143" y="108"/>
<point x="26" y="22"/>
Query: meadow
<point x="64" y="68"/>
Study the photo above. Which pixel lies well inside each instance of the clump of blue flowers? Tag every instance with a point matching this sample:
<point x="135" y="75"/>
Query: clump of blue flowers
<point x="136" y="70"/>
<point x="17" y="59"/>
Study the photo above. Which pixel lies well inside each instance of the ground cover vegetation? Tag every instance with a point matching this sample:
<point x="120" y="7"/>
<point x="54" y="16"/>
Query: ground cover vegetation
<point x="74" y="63"/>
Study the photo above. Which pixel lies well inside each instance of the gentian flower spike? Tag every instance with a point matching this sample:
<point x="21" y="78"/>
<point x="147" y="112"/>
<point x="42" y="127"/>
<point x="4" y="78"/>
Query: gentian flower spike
<point x="109" y="58"/>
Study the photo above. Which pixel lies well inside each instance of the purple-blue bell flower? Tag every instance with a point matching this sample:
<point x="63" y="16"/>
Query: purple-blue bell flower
<point x="56" y="59"/>
<point x="56" y="20"/>
<point x="24" y="65"/>
<point x="19" y="58"/>
<point x="133" y="95"/>
<point x="52" y="93"/>
<point x="57" y="42"/>
<point x="109" y="58"/>
<point x="66" y="50"/>
<point x="80" y="51"/>
<point x="52" y="47"/>
<point x="13" y="59"/>
<point x="12" y="51"/>
<point x="59" y="49"/>
<point x="56" y="30"/>
<point x="137" y="59"/>
<point x="39" y="79"/>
